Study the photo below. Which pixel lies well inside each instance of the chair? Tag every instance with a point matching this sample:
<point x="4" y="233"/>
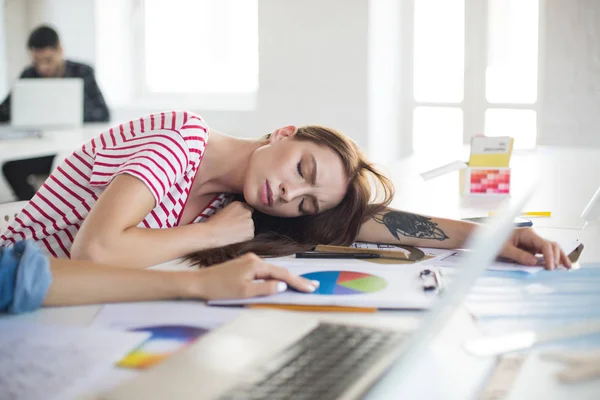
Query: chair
<point x="8" y="212"/>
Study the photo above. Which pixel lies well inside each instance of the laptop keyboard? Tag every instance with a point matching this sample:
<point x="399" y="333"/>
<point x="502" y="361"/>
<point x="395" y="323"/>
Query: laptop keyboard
<point x="321" y="365"/>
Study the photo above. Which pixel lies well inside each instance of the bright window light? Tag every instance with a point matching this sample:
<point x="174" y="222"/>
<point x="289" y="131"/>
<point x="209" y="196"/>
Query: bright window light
<point x="201" y="46"/>
<point x="439" y="50"/>
<point x="512" y="71"/>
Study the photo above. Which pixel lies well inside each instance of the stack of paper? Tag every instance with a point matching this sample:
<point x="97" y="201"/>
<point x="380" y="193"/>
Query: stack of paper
<point x="54" y="362"/>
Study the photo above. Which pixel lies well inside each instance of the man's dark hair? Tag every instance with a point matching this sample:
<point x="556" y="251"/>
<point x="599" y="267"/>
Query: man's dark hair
<point x="43" y="37"/>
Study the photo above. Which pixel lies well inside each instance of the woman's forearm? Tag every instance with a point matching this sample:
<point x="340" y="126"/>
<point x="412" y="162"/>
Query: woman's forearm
<point x="398" y="227"/>
<point x="140" y="248"/>
<point x="80" y="282"/>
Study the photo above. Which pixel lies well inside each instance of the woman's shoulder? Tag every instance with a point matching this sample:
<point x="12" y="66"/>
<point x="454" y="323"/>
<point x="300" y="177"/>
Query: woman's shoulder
<point x="181" y="126"/>
<point x="190" y="126"/>
<point x="195" y="133"/>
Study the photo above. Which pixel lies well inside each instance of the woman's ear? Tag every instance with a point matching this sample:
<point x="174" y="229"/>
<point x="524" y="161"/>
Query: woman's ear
<point x="281" y="133"/>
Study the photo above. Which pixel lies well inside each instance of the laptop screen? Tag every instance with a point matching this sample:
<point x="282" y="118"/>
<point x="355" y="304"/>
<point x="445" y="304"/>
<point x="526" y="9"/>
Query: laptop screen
<point x="47" y="103"/>
<point x="486" y="243"/>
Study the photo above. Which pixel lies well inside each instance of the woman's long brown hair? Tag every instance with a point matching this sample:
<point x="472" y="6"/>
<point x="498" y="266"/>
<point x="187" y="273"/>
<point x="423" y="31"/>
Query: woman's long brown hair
<point x="277" y="236"/>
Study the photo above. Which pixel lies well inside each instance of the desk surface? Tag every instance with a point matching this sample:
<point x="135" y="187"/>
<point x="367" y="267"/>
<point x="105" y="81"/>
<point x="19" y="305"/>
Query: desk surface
<point x="51" y="142"/>
<point x="569" y="181"/>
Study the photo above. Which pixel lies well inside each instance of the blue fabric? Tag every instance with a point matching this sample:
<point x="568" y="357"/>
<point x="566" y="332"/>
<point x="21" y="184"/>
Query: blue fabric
<point x="25" y="277"/>
<point x="8" y="275"/>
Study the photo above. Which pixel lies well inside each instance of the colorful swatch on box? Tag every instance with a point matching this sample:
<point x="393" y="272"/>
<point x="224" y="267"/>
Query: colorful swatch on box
<point x="164" y="341"/>
<point x="490" y="181"/>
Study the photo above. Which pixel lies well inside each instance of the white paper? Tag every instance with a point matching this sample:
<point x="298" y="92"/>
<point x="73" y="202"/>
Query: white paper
<point x="135" y="315"/>
<point x="456" y="258"/>
<point x="403" y="287"/>
<point x="39" y="361"/>
<point x="451" y="258"/>
<point x="172" y="325"/>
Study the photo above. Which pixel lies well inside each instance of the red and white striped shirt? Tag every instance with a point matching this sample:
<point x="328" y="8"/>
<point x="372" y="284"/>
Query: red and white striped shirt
<point x="163" y="150"/>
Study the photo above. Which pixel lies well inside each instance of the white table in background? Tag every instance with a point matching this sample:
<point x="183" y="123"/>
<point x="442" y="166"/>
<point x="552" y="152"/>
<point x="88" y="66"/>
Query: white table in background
<point x="51" y="142"/>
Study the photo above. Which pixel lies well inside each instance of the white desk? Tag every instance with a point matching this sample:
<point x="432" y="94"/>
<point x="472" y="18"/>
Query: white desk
<point x="449" y="373"/>
<point x="51" y="142"/>
<point x="569" y="178"/>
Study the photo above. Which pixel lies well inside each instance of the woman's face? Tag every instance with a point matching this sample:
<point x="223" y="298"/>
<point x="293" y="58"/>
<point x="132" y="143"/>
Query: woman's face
<point x="291" y="178"/>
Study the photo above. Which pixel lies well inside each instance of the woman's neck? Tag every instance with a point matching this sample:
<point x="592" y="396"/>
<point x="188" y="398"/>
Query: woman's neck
<point x="224" y="164"/>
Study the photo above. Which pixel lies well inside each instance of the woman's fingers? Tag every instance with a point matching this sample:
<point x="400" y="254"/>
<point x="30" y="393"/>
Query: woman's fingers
<point x="270" y="272"/>
<point x="563" y="258"/>
<point x="528" y="239"/>
<point x="255" y="277"/>
<point x="519" y="255"/>
<point x="263" y="287"/>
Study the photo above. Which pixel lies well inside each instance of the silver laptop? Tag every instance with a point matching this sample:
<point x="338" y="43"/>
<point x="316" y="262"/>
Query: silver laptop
<point x="285" y="355"/>
<point x="47" y="103"/>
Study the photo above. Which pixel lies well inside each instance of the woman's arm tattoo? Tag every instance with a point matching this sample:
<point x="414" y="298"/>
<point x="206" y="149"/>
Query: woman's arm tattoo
<point x="410" y="225"/>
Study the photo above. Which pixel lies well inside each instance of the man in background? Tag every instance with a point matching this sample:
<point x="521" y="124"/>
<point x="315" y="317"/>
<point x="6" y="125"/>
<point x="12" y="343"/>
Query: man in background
<point x="48" y="62"/>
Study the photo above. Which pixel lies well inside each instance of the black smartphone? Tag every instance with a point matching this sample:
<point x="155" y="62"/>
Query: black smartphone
<point x="519" y="221"/>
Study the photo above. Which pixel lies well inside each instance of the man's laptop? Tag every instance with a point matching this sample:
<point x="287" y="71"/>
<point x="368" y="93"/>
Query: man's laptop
<point x="283" y="355"/>
<point x="46" y="103"/>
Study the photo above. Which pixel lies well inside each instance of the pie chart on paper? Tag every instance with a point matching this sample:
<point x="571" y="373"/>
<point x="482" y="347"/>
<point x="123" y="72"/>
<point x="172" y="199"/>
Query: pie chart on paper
<point x="346" y="282"/>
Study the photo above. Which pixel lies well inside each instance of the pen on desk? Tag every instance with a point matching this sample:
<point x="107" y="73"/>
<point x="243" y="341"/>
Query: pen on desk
<point x="322" y="254"/>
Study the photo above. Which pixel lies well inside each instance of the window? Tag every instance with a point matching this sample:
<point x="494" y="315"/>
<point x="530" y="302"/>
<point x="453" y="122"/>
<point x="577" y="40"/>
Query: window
<point x="178" y="53"/>
<point x="475" y="70"/>
<point x="200" y="46"/>
<point x="439" y="50"/>
<point x="439" y="55"/>
<point x="512" y="70"/>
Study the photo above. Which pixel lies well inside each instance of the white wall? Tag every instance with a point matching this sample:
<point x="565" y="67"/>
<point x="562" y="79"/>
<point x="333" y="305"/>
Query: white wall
<point x="313" y="70"/>
<point x="385" y="71"/>
<point x="3" y="64"/>
<point x="571" y="73"/>
<point x="15" y="34"/>
<point x="74" y="21"/>
<point x="4" y="191"/>
<point x="313" y="64"/>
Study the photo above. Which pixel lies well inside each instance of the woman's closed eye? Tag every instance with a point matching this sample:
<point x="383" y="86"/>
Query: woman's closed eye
<point x="299" y="167"/>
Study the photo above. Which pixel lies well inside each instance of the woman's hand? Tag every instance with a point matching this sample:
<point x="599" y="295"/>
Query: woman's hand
<point x="243" y="277"/>
<point x="524" y="244"/>
<point x="232" y="224"/>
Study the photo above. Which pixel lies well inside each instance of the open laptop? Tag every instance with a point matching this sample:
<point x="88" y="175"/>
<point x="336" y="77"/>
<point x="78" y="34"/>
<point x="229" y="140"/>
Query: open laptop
<point x="46" y="103"/>
<point x="285" y="355"/>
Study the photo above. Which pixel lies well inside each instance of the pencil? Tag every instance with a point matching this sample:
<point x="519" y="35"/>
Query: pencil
<point x="529" y="214"/>
<point x="299" y="307"/>
<point x="537" y="214"/>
